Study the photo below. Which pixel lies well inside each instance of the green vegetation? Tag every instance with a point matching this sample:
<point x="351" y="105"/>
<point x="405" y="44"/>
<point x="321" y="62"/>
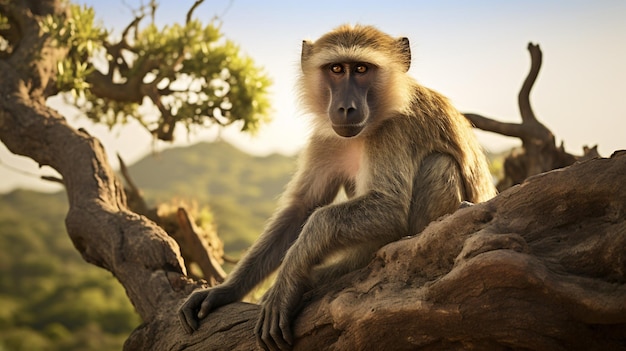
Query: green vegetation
<point x="241" y="190"/>
<point x="53" y="300"/>
<point x="496" y="163"/>
<point x="187" y="73"/>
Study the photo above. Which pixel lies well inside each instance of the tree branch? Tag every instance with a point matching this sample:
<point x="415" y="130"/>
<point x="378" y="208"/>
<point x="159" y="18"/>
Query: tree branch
<point x="132" y="25"/>
<point x="117" y="62"/>
<point x="526" y="110"/>
<point x="165" y="129"/>
<point x="491" y="125"/>
<point x="192" y="9"/>
<point x="200" y="251"/>
<point x="103" y="86"/>
<point x="530" y="130"/>
<point x="53" y="179"/>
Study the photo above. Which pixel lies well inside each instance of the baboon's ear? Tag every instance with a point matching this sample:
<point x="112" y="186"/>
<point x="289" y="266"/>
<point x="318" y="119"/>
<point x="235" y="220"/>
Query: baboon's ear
<point x="307" y="51"/>
<point x="405" y="50"/>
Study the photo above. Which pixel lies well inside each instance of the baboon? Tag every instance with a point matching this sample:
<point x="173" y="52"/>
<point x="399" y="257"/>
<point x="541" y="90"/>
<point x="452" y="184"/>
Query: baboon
<point x="402" y="154"/>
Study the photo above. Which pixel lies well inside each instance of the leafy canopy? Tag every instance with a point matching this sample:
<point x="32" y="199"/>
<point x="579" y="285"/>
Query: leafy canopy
<point x="187" y="73"/>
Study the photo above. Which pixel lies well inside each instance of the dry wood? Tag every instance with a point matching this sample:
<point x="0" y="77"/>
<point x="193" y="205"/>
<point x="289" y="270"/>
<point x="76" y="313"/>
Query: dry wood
<point x="539" y="152"/>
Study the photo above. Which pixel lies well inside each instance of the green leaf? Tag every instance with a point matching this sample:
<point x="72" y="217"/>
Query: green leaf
<point x="202" y="78"/>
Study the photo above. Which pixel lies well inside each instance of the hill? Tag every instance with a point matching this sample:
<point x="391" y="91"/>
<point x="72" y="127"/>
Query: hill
<point x="52" y="300"/>
<point x="241" y="190"/>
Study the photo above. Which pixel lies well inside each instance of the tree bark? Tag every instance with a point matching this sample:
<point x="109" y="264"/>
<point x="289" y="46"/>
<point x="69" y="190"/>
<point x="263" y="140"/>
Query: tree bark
<point x="540" y="267"/>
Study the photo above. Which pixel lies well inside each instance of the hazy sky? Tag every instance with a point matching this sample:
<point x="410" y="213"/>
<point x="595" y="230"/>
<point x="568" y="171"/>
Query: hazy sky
<point x="474" y="52"/>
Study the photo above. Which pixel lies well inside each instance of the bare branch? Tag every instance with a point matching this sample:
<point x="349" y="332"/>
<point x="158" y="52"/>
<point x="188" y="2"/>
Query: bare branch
<point x="526" y="110"/>
<point x="153" y="7"/>
<point x="200" y="252"/>
<point x="126" y="174"/>
<point x="530" y="130"/>
<point x="53" y="179"/>
<point x="193" y="7"/>
<point x="165" y="129"/>
<point x="491" y="125"/>
<point x="134" y="24"/>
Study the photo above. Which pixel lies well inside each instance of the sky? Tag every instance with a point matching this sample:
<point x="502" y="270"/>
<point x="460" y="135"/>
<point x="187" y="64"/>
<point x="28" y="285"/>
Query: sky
<point x="474" y="52"/>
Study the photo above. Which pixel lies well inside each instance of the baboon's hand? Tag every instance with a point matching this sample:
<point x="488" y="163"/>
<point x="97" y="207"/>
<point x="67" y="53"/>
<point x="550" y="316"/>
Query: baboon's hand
<point x="200" y="303"/>
<point x="273" y="329"/>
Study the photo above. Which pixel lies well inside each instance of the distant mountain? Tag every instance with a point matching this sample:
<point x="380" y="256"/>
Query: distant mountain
<point x="242" y="190"/>
<point x="53" y="300"/>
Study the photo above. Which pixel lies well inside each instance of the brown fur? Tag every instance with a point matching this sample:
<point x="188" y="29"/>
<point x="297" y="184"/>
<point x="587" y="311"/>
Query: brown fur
<point x="415" y="160"/>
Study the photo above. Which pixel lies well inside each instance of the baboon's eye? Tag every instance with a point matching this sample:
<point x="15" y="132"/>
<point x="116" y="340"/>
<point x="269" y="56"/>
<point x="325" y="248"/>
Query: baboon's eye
<point x="360" y="68"/>
<point x="336" y="68"/>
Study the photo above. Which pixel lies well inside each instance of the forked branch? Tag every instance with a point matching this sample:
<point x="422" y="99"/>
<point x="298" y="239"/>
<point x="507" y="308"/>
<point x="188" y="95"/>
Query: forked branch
<point x="530" y="128"/>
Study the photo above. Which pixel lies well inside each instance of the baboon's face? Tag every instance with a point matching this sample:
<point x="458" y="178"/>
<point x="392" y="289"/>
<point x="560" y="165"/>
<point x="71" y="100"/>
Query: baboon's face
<point x="354" y="78"/>
<point x="350" y="86"/>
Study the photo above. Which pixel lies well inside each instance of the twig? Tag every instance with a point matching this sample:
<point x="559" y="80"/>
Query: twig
<point x="193" y="7"/>
<point x="53" y="179"/>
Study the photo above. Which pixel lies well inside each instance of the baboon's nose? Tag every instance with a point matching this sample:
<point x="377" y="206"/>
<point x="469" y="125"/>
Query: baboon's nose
<point x="349" y="114"/>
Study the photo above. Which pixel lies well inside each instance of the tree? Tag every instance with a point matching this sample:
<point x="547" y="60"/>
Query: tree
<point x="499" y="275"/>
<point x="189" y="73"/>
